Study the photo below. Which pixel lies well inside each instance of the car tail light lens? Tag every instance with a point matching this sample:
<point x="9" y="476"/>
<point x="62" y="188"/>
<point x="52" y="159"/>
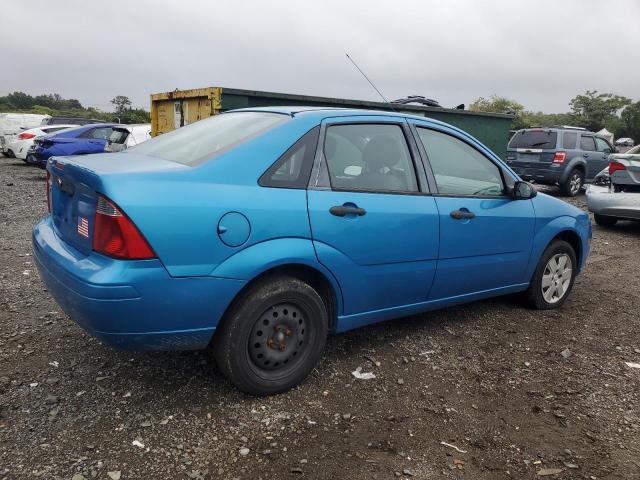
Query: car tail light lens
<point x="26" y="136"/>
<point x="115" y="235"/>
<point x="49" y="191"/>
<point x="615" y="166"/>
<point x="559" y="157"/>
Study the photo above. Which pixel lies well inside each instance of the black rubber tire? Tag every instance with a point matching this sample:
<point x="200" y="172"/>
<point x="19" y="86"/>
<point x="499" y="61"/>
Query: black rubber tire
<point x="566" y="186"/>
<point x="10" y="154"/>
<point x="534" y="293"/>
<point x="605" y="221"/>
<point x="230" y="345"/>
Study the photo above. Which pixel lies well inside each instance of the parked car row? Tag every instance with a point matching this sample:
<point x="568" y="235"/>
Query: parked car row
<point x="35" y="138"/>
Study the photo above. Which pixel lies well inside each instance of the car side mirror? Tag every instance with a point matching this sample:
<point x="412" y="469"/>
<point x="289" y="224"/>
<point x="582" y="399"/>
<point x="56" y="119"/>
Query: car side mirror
<point x="523" y="191"/>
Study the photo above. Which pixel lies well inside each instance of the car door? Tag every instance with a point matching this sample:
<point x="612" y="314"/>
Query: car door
<point x="373" y="223"/>
<point x="485" y="236"/>
<point x="605" y="150"/>
<point x="591" y="155"/>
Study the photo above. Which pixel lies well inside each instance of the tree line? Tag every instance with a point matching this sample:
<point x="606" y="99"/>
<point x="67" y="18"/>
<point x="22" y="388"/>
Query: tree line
<point x="591" y="110"/>
<point x="55" y="105"/>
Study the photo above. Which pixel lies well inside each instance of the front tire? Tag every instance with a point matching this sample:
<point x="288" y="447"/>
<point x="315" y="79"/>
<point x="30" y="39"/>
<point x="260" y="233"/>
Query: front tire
<point x="554" y="276"/>
<point x="272" y="336"/>
<point x="605" y="221"/>
<point x="572" y="185"/>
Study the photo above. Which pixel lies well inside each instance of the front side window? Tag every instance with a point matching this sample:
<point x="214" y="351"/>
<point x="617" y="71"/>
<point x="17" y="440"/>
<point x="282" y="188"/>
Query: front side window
<point x="587" y="143"/>
<point x="369" y="157"/>
<point x="206" y="139"/>
<point x="459" y="169"/>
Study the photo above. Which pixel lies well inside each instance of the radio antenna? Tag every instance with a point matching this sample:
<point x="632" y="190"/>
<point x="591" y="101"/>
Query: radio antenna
<point x="370" y="82"/>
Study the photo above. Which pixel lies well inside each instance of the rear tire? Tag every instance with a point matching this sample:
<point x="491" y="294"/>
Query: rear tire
<point x="553" y="279"/>
<point x="272" y="336"/>
<point x="10" y="154"/>
<point x="605" y="221"/>
<point x="572" y="185"/>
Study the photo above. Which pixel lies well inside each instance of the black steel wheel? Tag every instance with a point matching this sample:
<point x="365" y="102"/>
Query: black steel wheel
<point x="272" y="336"/>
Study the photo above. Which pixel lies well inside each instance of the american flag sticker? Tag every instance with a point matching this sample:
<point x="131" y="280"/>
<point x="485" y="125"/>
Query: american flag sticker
<point x="83" y="227"/>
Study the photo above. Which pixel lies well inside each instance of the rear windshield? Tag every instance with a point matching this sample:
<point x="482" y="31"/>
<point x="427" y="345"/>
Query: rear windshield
<point x="208" y="138"/>
<point x="119" y="136"/>
<point x="544" y="139"/>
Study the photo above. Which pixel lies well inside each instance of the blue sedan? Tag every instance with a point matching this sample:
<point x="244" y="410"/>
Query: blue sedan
<point x="72" y="141"/>
<point x="258" y="232"/>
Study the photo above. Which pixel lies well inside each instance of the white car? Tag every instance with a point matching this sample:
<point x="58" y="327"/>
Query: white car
<point x="11" y="124"/>
<point x="625" y="142"/>
<point x="21" y="143"/>
<point x="125" y="136"/>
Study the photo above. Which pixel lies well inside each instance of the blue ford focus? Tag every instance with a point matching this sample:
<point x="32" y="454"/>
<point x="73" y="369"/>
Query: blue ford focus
<point x="256" y="233"/>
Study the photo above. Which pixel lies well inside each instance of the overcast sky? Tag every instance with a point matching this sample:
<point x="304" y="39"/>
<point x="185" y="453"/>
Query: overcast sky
<point x="540" y="53"/>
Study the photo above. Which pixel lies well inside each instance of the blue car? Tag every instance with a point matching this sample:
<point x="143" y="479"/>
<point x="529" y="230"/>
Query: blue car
<point x="256" y="233"/>
<point x="73" y="141"/>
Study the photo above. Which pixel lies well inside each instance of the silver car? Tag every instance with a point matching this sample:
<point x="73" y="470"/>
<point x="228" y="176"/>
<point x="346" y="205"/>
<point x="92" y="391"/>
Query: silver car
<point x="624" y="170"/>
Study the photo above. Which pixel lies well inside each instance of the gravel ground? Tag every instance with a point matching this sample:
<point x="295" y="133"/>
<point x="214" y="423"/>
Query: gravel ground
<point x="489" y="379"/>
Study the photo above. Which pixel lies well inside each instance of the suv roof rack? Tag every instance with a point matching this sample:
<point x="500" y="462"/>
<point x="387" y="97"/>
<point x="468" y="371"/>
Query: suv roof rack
<point x="569" y="127"/>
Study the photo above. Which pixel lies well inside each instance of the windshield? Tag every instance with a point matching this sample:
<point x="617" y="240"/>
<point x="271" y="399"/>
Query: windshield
<point x="208" y="138"/>
<point x="544" y="139"/>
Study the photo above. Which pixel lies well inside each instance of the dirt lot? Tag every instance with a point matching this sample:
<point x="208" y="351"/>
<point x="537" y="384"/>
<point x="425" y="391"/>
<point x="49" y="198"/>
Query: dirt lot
<point x="487" y="378"/>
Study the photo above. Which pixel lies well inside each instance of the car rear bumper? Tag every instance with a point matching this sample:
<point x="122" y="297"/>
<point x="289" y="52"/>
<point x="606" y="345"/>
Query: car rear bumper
<point x="131" y="305"/>
<point x="602" y="201"/>
<point x="540" y="174"/>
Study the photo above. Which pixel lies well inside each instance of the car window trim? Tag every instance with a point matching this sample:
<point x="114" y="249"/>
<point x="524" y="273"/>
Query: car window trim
<point x="320" y="177"/>
<point x="503" y="172"/>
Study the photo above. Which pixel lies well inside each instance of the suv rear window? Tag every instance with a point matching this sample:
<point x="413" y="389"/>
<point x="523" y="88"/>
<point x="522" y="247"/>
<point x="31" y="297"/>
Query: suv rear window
<point x="544" y="139"/>
<point x="209" y="138"/>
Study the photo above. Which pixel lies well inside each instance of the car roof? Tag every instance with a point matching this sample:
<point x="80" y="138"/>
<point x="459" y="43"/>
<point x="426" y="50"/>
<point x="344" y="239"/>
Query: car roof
<point x="329" y="112"/>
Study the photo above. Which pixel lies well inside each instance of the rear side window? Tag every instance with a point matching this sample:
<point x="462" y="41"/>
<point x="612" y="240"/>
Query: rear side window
<point x="544" y="139"/>
<point x="101" y="133"/>
<point x="458" y="168"/>
<point x="292" y="169"/>
<point x="369" y="157"/>
<point x="209" y="138"/>
<point x="587" y="143"/>
<point x="119" y="135"/>
<point x="569" y="140"/>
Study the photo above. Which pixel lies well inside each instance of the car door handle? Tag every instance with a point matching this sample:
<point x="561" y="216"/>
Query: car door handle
<point x="462" y="214"/>
<point x="585" y="155"/>
<point x="342" y="211"/>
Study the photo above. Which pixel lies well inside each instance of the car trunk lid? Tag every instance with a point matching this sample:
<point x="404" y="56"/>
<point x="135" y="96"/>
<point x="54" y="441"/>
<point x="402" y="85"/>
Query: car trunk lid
<point x="76" y="183"/>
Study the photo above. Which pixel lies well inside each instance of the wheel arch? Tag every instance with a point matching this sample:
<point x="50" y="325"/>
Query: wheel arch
<point x="576" y="163"/>
<point x="322" y="282"/>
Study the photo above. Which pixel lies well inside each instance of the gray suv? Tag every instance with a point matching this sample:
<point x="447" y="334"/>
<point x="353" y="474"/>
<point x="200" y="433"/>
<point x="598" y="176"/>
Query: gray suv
<point x="564" y="156"/>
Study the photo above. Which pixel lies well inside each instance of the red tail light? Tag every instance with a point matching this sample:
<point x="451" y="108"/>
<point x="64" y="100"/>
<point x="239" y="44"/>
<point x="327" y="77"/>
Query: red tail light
<point x="559" y="157"/>
<point x="26" y="136"/>
<point x="615" y="166"/>
<point x="115" y="235"/>
<point x="49" y="191"/>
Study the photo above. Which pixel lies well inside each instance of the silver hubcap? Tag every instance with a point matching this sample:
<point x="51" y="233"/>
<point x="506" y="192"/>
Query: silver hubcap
<point x="574" y="183"/>
<point x="557" y="277"/>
